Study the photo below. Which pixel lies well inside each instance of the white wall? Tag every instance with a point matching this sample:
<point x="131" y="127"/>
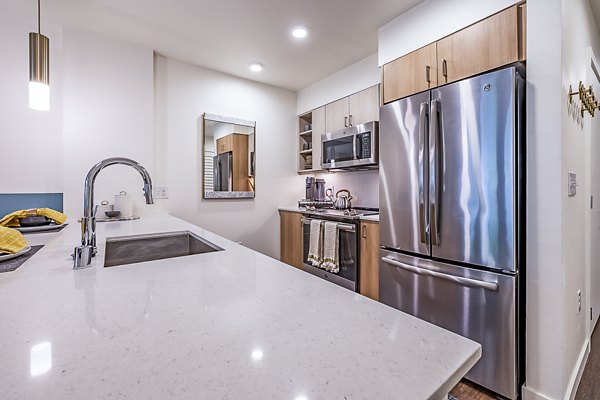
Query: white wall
<point x="351" y="79"/>
<point x="183" y="93"/>
<point x="101" y="106"/>
<point x="545" y="301"/>
<point x="108" y="111"/>
<point x="30" y="141"/>
<point x="429" y="21"/>
<point x="579" y="33"/>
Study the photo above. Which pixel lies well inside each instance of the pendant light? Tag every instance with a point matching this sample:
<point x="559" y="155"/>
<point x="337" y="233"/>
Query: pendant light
<point x="39" y="69"/>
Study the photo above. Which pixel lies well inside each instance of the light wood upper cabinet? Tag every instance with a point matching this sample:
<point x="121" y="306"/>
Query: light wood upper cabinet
<point x="494" y="42"/>
<point x="337" y="114"/>
<point x="225" y="144"/>
<point x="488" y="44"/>
<point x="318" y="128"/>
<point x="292" y="238"/>
<point x="413" y="73"/>
<point x="364" y="106"/>
<point x="369" y="259"/>
<point x="311" y="126"/>
<point x="355" y="109"/>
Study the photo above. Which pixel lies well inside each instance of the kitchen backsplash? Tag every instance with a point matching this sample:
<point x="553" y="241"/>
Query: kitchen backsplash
<point x="363" y="185"/>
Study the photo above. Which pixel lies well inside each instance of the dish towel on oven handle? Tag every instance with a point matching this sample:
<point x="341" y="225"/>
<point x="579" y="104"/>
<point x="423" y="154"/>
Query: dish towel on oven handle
<point x="330" y="248"/>
<point x="315" y="250"/>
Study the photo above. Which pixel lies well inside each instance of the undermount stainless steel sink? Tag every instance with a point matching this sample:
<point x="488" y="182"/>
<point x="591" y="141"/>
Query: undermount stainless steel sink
<point x="155" y="246"/>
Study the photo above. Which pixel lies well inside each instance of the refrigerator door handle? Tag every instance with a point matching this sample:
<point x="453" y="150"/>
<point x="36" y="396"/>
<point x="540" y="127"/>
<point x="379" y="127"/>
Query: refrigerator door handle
<point x="230" y="172"/>
<point x="435" y="166"/>
<point x="218" y="175"/>
<point x="474" y="283"/>
<point x="423" y="168"/>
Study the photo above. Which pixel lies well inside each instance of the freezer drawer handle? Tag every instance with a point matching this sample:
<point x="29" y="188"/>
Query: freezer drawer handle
<point x="457" y="279"/>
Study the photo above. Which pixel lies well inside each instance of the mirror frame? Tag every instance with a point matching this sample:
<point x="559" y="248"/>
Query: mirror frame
<point x="213" y="195"/>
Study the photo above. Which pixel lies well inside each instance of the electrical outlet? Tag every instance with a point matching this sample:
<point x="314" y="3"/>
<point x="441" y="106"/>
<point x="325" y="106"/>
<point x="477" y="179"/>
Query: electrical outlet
<point x="578" y="301"/>
<point x="161" y="192"/>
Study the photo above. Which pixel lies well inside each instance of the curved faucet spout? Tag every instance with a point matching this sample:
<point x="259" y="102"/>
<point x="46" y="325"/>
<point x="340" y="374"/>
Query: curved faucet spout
<point x="88" y="196"/>
<point x="82" y="256"/>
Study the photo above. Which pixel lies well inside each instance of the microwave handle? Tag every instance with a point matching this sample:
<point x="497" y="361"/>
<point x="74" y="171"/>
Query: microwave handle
<point x="358" y="147"/>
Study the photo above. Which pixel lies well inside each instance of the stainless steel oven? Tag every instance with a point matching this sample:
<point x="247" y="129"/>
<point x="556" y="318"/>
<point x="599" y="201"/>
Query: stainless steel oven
<point x="348" y="256"/>
<point x="355" y="146"/>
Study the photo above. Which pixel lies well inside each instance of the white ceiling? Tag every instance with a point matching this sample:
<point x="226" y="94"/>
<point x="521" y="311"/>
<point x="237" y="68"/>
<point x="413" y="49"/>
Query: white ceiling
<point x="227" y="35"/>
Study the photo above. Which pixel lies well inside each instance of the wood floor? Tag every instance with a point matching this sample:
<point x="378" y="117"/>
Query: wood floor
<point x="589" y="387"/>
<point x="466" y="390"/>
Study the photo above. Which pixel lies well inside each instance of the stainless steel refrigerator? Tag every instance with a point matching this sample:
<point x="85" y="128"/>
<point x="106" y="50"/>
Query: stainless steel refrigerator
<point x="223" y="172"/>
<point x="451" y="212"/>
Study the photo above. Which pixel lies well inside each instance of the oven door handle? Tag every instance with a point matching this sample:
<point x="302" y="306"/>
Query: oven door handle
<point x="475" y="283"/>
<point x="342" y="227"/>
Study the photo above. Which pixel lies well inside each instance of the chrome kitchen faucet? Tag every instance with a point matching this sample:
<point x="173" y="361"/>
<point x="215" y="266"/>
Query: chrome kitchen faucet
<point x="82" y="255"/>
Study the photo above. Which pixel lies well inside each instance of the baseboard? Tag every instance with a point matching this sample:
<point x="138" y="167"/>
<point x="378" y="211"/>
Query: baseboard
<point x="530" y="394"/>
<point x="578" y="371"/>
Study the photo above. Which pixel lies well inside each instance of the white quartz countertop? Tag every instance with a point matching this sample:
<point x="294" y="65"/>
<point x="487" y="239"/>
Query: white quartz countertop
<point x="233" y="324"/>
<point x="370" y="218"/>
<point x="290" y="209"/>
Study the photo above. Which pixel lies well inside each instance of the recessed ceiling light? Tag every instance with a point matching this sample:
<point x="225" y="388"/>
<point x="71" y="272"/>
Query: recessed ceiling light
<point x="257" y="354"/>
<point x="299" y="32"/>
<point x="256" y="67"/>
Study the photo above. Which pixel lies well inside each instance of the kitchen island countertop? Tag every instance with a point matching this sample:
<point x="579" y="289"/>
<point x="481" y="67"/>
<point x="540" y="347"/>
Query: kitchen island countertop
<point x="233" y="324"/>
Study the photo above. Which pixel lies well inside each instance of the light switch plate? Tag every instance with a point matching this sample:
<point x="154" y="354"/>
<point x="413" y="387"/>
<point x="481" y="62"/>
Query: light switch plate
<point x="161" y="192"/>
<point x="572" y="181"/>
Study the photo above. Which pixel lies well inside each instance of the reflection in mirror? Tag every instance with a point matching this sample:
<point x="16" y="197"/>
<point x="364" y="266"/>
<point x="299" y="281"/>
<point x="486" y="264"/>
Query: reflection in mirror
<point x="229" y="157"/>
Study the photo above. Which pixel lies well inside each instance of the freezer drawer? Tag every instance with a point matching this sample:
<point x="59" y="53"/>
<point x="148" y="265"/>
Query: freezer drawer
<point x="476" y="304"/>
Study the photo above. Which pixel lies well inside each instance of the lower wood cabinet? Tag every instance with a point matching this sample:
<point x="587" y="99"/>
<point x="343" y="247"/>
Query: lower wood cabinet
<point x="369" y="259"/>
<point x="291" y="238"/>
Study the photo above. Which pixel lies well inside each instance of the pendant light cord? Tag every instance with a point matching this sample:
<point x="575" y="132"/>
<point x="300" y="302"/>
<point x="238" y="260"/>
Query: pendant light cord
<point x="39" y="24"/>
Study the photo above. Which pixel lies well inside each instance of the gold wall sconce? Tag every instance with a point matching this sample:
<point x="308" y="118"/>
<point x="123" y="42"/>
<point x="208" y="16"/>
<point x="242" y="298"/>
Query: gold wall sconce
<point x="587" y="98"/>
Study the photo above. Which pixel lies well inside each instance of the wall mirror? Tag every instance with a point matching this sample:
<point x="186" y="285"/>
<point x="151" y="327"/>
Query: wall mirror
<point x="229" y="157"/>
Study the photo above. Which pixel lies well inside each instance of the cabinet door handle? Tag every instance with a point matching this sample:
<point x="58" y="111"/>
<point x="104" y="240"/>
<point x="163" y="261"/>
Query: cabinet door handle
<point x="351" y="120"/>
<point x="364" y="231"/>
<point x="445" y="69"/>
<point x="345" y="122"/>
<point x="427" y="72"/>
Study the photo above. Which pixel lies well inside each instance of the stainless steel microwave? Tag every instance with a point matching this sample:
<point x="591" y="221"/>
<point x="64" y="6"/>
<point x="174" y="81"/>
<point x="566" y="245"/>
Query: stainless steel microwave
<point x="352" y="147"/>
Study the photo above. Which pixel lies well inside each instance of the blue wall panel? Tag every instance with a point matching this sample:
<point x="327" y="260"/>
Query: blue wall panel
<point x="10" y="202"/>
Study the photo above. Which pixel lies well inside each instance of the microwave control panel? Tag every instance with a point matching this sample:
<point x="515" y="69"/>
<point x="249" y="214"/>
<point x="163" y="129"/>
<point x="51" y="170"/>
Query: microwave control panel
<point x="365" y="141"/>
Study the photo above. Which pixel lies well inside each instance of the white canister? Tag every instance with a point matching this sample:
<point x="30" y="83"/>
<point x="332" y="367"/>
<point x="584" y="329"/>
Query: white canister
<point x="102" y="208"/>
<point x="124" y="203"/>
